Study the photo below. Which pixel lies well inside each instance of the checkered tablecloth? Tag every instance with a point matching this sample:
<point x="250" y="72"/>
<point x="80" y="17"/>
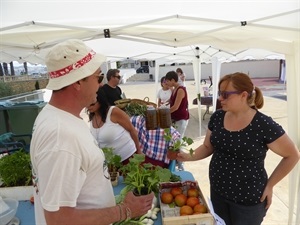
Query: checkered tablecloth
<point x="152" y="142"/>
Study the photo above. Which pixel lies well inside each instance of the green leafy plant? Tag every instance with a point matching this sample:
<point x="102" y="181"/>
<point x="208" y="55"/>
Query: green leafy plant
<point x="5" y="90"/>
<point x="178" y="144"/>
<point x="144" y="177"/>
<point x="16" y="169"/>
<point x="135" y="109"/>
<point x="113" y="161"/>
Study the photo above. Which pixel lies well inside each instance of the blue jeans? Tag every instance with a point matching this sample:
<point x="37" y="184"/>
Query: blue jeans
<point x="237" y="214"/>
<point x="180" y="126"/>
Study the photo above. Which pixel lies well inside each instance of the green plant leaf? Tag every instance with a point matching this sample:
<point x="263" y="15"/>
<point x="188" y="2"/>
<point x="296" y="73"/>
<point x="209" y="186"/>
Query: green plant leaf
<point x="16" y="169"/>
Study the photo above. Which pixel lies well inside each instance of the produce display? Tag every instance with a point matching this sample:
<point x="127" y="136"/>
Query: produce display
<point x="183" y="202"/>
<point x="135" y="109"/>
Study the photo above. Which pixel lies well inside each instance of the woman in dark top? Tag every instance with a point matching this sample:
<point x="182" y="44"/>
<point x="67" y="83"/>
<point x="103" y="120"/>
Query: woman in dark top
<point x="178" y="103"/>
<point x="238" y="138"/>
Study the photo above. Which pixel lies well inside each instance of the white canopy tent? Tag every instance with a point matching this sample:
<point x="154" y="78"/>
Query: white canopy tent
<point x="229" y="27"/>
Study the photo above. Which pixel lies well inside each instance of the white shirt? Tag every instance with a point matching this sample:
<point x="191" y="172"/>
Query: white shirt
<point x="164" y="95"/>
<point x="115" y="136"/>
<point x="68" y="166"/>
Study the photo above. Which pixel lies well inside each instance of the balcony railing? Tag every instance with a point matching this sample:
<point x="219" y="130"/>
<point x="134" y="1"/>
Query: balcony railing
<point x="23" y="77"/>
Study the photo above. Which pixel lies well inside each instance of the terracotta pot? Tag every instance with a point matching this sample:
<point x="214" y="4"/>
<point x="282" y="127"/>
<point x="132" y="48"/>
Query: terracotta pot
<point x="171" y="154"/>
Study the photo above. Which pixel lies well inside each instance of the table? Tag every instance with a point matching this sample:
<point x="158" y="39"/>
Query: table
<point x="25" y="211"/>
<point x="153" y="142"/>
<point x="206" y="100"/>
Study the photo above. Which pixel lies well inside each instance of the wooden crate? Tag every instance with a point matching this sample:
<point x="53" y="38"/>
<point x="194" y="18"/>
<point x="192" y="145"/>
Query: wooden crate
<point x="171" y="216"/>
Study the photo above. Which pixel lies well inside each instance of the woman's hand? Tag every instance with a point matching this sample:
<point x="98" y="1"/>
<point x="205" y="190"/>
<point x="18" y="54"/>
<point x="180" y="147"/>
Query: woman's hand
<point x="267" y="194"/>
<point x="182" y="156"/>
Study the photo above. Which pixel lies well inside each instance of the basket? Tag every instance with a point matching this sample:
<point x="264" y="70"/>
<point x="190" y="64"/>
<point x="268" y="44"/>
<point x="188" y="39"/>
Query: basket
<point x="122" y="103"/>
<point x="144" y="102"/>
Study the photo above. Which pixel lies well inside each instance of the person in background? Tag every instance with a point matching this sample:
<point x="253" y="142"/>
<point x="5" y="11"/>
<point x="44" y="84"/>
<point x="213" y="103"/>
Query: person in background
<point x="178" y="106"/>
<point x="112" y="91"/>
<point x="71" y="181"/>
<point x="164" y="93"/>
<point x="181" y="77"/>
<point x="238" y="138"/>
<point x="111" y="127"/>
<point x="178" y="103"/>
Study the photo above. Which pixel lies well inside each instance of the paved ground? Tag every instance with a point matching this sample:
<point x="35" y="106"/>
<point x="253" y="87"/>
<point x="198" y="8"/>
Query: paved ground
<point x="275" y="106"/>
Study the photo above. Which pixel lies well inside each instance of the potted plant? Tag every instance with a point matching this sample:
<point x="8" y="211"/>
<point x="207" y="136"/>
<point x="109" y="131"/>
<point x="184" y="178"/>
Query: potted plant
<point x="113" y="162"/>
<point x="16" y="176"/>
<point x="144" y="177"/>
<point x="176" y="145"/>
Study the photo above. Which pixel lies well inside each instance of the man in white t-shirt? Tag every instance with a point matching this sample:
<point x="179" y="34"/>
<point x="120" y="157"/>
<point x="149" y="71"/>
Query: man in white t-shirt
<point x="70" y="176"/>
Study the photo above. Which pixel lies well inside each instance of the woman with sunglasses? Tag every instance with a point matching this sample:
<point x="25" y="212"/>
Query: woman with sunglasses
<point x="238" y="138"/>
<point x="111" y="127"/>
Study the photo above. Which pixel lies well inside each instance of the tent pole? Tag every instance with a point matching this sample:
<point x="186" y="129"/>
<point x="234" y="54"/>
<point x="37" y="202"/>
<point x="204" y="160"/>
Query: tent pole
<point x="216" y="69"/>
<point x="197" y="76"/>
<point x="157" y="63"/>
<point x="293" y="93"/>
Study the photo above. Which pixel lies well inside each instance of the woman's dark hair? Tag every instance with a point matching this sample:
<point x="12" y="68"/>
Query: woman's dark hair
<point x="104" y="105"/>
<point x="162" y="80"/>
<point x="172" y="75"/>
<point x="179" y="70"/>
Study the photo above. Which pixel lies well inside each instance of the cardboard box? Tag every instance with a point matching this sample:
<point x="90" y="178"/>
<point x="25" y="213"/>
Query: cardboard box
<point x="171" y="216"/>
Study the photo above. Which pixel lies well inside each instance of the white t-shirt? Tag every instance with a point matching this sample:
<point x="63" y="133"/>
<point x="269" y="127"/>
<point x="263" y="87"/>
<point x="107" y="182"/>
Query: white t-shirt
<point x="113" y="135"/>
<point x="68" y="166"/>
<point x="164" y="95"/>
<point x="180" y="81"/>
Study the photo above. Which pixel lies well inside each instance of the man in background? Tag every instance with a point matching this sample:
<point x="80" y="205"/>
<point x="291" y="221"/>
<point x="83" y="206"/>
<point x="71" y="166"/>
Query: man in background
<point x="112" y="90"/>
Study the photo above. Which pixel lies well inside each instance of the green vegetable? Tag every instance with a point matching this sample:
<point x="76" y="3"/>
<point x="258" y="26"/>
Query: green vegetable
<point x="135" y="109"/>
<point x="114" y="162"/>
<point x="16" y="169"/>
<point x="142" y="175"/>
<point x="179" y="143"/>
<point x="175" y="178"/>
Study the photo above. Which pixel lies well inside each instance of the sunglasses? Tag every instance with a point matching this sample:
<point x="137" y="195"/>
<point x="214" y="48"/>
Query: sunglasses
<point x="100" y="79"/>
<point x="119" y="77"/>
<point x="226" y="94"/>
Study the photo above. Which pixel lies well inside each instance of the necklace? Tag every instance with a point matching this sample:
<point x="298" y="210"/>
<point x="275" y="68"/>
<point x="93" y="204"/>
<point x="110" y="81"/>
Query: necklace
<point x="98" y="125"/>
